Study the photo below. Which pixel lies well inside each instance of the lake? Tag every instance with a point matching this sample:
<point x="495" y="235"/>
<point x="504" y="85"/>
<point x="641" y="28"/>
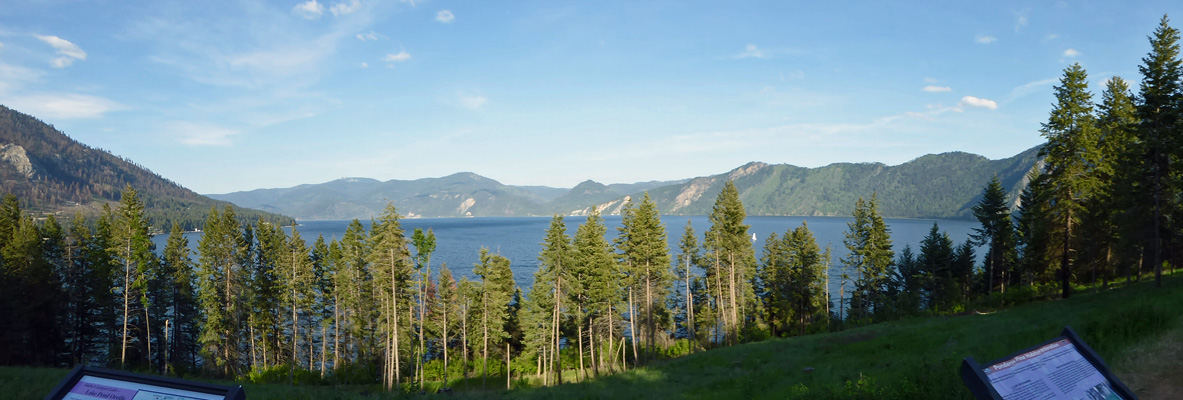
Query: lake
<point x="459" y="240"/>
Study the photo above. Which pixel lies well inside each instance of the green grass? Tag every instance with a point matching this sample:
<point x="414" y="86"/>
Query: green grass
<point x="911" y="358"/>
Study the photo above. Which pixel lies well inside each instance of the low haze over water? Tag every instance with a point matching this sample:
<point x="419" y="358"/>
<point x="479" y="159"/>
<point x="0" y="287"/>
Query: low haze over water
<point x="458" y="240"/>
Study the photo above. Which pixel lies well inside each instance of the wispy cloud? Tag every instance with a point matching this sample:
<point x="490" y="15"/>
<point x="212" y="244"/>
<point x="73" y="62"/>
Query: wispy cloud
<point x="751" y="51"/>
<point x="444" y="16"/>
<point x="64" y="106"/>
<point x="937" y="89"/>
<point x="371" y="35"/>
<point x="473" y="102"/>
<point x="309" y="9"/>
<point x="68" y="52"/>
<point x="978" y="102"/>
<point x="1021" y="20"/>
<point x="339" y="9"/>
<point x="1071" y="53"/>
<point x="985" y="39"/>
<point x="365" y="65"/>
<point x="1050" y="37"/>
<point x="399" y="57"/>
<point x="202" y="134"/>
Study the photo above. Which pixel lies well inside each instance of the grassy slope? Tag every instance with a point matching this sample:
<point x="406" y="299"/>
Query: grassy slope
<point x="1138" y="330"/>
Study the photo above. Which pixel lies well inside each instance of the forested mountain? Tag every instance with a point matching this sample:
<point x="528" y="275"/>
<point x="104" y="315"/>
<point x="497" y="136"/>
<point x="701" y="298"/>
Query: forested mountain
<point x="934" y="186"/>
<point x="50" y="172"/>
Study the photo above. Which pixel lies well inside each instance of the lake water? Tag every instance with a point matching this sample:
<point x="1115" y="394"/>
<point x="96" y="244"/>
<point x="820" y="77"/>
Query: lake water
<point x="459" y="240"/>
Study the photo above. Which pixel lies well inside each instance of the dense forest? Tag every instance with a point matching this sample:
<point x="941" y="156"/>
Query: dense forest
<point x="50" y="172"/>
<point x="259" y="304"/>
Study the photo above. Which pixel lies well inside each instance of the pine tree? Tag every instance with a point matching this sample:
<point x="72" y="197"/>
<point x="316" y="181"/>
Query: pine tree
<point x="1115" y="171"/>
<point x="729" y="245"/>
<point x="997" y="231"/>
<point x="643" y="248"/>
<point x="449" y="298"/>
<point x="134" y="249"/>
<point x="496" y="293"/>
<point x="596" y="282"/>
<point x="869" y="243"/>
<point x="557" y="264"/>
<point x="935" y="263"/>
<point x="220" y="284"/>
<point x="424" y="246"/>
<point x="1160" y="101"/>
<point x="687" y="259"/>
<point x="391" y="261"/>
<point x="181" y="351"/>
<point x="1071" y="153"/>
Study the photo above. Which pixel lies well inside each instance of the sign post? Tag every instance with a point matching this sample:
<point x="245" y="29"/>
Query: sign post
<point x="1061" y="368"/>
<point x="86" y="383"/>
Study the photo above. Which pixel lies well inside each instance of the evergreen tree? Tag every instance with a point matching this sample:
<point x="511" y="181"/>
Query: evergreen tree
<point x="1115" y="171"/>
<point x="869" y="243"/>
<point x="392" y="268"/>
<point x="181" y="353"/>
<point x="1034" y="232"/>
<point x="496" y="293"/>
<point x="557" y="265"/>
<point x="909" y="282"/>
<point x="1071" y="153"/>
<point x="597" y="282"/>
<point x="935" y="263"/>
<point x="134" y="248"/>
<point x="997" y="231"/>
<point x="643" y="248"/>
<point x="683" y="299"/>
<point x="728" y="244"/>
<point x="1159" y="103"/>
<point x="220" y="284"/>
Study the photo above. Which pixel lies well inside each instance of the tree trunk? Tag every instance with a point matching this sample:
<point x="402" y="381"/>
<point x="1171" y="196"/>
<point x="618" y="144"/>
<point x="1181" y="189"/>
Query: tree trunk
<point x="734" y="317"/>
<point x="582" y="372"/>
<point x="649" y="312"/>
<point x="690" y="309"/>
<point x="632" y="326"/>
<point x="1065" y="258"/>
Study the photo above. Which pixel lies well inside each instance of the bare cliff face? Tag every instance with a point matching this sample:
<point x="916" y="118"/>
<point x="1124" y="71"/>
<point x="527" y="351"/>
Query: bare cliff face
<point x="17" y="157"/>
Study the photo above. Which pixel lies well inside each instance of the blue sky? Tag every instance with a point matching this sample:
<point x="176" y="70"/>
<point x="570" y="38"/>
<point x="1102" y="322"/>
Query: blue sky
<point x="223" y="96"/>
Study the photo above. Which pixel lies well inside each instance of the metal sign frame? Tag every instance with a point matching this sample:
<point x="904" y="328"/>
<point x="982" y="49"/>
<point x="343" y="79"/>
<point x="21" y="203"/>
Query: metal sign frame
<point x="64" y="387"/>
<point x="974" y="375"/>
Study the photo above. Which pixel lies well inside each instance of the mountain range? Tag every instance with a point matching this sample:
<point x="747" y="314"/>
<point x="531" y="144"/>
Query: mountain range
<point x="943" y="185"/>
<point x="50" y="172"/>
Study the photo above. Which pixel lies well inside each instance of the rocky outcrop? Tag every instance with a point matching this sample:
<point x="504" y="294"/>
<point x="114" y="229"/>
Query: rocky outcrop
<point x="18" y="158"/>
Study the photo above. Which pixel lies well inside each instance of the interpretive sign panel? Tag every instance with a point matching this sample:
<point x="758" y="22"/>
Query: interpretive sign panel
<point x="1062" y="368"/>
<point x="86" y="383"/>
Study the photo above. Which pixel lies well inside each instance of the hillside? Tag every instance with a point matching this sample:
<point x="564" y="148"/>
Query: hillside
<point x="50" y="172"/>
<point x="933" y="186"/>
<point x="1135" y="329"/>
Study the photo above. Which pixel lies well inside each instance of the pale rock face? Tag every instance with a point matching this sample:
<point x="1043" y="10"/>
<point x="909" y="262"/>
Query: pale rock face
<point x="16" y="155"/>
<point x="468" y="203"/>
<point x="692" y="192"/>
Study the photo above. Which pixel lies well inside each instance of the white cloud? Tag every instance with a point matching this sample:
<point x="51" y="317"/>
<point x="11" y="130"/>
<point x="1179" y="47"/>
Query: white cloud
<point x="985" y="39"/>
<point x="400" y="57"/>
<point x="935" y="89"/>
<point x="69" y="52"/>
<point x="1020" y="20"/>
<point x="977" y="102"/>
<point x="202" y="134"/>
<point x="64" y="106"/>
<point x="309" y="9"/>
<point x="444" y="16"/>
<point x="1051" y="37"/>
<point x="343" y="8"/>
<point x="365" y="65"/>
<point x="929" y="80"/>
<point x="1071" y="53"/>
<point x="751" y="51"/>
<point x="474" y="103"/>
<point x="371" y="35"/>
